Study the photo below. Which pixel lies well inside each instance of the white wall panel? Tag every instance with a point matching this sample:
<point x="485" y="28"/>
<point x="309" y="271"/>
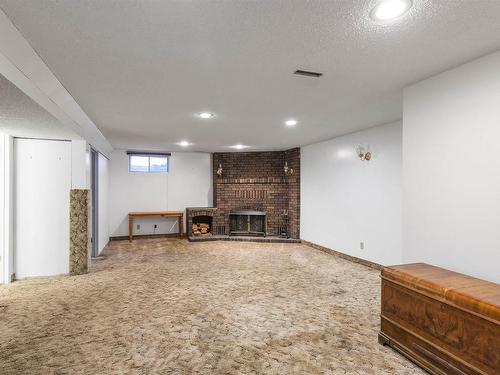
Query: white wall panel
<point x="451" y="199"/>
<point x="3" y="252"/>
<point x="42" y="186"/>
<point x="80" y="164"/>
<point x="7" y="206"/>
<point x="345" y="201"/>
<point x="187" y="184"/>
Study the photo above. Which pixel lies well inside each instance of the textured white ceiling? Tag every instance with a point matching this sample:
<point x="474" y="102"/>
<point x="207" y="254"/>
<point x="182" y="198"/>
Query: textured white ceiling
<point x="142" y="69"/>
<point x="20" y="116"/>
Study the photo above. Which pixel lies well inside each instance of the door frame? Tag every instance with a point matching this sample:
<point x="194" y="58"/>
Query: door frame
<point x="94" y="189"/>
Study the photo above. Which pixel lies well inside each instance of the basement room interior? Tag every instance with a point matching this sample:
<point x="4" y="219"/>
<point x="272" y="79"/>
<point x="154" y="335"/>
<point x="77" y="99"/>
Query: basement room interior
<point x="250" y="187"/>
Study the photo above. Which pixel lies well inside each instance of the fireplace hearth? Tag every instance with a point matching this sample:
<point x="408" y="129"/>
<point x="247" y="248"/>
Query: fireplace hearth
<point x="247" y="223"/>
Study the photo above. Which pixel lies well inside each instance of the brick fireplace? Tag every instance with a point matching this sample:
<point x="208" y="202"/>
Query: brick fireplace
<point x="256" y="181"/>
<point x="253" y="196"/>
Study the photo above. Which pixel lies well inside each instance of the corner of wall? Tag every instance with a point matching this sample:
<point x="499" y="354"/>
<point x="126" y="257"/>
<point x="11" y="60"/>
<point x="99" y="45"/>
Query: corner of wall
<point x="7" y="229"/>
<point x="80" y="164"/>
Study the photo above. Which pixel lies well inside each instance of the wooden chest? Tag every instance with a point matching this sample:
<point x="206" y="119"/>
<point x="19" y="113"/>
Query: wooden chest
<point x="446" y="322"/>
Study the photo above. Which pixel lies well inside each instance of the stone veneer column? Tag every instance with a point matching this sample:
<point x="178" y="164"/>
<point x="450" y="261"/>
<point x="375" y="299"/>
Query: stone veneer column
<point x="79" y="248"/>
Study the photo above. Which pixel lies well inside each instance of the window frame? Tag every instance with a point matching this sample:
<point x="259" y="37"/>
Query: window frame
<point x="148" y="155"/>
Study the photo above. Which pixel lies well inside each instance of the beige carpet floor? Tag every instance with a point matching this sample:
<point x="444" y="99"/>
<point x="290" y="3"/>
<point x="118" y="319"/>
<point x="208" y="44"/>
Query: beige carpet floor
<point x="166" y="306"/>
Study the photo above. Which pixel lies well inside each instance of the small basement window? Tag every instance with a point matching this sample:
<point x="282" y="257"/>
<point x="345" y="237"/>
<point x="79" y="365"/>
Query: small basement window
<point x="147" y="162"/>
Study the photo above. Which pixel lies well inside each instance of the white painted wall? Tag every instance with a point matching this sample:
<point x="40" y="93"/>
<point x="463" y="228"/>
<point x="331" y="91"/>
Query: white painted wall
<point x="6" y="209"/>
<point x="187" y="184"/>
<point x="42" y="185"/>
<point x="3" y="256"/>
<point x="103" y="189"/>
<point x="451" y="205"/>
<point x="80" y="164"/>
<point x="345" y="201"/>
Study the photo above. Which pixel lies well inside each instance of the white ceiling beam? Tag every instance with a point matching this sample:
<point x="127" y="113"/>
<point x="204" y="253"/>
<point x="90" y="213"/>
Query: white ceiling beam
<point x="21" y="65"/>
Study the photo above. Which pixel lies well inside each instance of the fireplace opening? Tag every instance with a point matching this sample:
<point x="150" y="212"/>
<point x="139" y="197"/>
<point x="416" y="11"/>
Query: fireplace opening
<point x="247" y="223"/>
<point x="202" y="225"/>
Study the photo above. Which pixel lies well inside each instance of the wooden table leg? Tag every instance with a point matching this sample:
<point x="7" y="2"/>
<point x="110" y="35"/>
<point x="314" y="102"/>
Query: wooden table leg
<point x="181" y="226"/>
<point x="130" y="227"/>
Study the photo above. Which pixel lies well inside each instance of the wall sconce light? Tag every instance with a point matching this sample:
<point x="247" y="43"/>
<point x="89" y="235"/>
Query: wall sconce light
<point x="363" y="154"/>
<point x="219" y="171"/>
<point x="288" y="171"/>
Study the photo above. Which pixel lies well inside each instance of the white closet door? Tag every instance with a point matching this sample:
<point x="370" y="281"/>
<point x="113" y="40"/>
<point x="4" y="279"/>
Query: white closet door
<point x="42" y="176"/>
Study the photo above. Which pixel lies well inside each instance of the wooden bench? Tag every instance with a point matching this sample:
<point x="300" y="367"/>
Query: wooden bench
<point x="446" y="322"/>
<point x="178" y="214"/>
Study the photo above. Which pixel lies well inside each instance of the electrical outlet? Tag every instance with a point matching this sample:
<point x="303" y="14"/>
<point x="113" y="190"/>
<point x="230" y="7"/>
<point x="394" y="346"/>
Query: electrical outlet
<point x="138" y="226"/>
<point x="361" y="245"/>
<point x="156" y="226"/>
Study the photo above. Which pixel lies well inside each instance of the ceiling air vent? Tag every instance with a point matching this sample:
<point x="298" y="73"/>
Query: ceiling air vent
<point x="307" y="73"/>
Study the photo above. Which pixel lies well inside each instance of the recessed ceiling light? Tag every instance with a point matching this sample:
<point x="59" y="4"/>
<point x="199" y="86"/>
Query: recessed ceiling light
<point x="184" y="143"/>
<point x="387" y="10"/>
<point x="291" y="122"/>
<point x="206" y="115"/>
<point x="239" y="146"/>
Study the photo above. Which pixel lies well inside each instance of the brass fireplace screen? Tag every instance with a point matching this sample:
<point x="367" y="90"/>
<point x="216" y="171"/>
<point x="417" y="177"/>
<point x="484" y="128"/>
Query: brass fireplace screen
<point x="247" y="223"/>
